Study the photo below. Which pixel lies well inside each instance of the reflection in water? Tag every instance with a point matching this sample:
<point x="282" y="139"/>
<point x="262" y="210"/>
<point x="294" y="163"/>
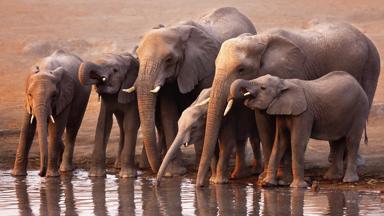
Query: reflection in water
<point x="80" y="195"/>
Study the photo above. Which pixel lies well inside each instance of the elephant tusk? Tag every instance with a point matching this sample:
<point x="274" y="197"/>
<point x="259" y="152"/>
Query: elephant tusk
<point x="247" y="93"/>
<point x="229" y="106"/>
<point x="32" y="119"/>
<point x="130" y="90"/>
<point x="155" y="90"/>
<point x="103" y="79"/>
<point x="186" y="144"/>
<point x="52" y="119"/>
<point x="203" y="102"/>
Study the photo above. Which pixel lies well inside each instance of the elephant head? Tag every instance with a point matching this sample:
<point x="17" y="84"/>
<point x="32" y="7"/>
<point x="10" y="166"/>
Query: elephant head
<point x="270" y="93"/>
<point x="49" y="90"/>
<point x="111" y="74"/>
<point x="191" y="127"/>
<point x="245" y="57"/>
<point x="184" y="54"/>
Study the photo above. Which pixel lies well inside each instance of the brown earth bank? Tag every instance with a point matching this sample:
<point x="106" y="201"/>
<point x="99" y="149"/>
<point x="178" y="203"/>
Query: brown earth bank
<point x="31" y="29"/>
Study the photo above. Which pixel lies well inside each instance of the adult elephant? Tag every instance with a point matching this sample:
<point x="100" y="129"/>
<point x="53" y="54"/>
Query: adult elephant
<point x="55" y="101"/>
<point x="303" y="54"/>
<point x="176" y="63"/>
<point x="110" y="74"/>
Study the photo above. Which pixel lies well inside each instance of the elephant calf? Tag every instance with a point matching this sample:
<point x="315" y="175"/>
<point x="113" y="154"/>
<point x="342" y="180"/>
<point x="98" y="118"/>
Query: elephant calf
<point x="110" y="74"/>
<point x="55" y="101"/>
<point x="238" y="125"/>
<point x="333" y="107"/>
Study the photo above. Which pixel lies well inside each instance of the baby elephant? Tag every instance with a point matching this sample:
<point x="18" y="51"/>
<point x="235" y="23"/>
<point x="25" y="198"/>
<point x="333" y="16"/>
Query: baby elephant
<point x="55" y="101"/>
<point x="333" y="107"/>
<point x="238" y="126"/>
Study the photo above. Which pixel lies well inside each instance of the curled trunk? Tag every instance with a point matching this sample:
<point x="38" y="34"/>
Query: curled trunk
<point x="147" y="105"/>
<point x="236" y="86"/>
<point x="42" y="130"/>
<point x="87" y="72"/>
<point x="179" y="140"/>
<point x="216" y="106"/>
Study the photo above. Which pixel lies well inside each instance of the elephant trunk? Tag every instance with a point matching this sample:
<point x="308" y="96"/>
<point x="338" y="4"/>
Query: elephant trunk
<point x="235" y="91"/>
<point x="87" y="73"/>
<point x="147" y="105"/>
<point x="218" y="99"/>
<point x="42" y="130"/>
<point x="180" y="139"/>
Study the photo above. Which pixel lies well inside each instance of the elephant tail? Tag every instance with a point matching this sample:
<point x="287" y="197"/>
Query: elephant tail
<point x="365" y="135"/>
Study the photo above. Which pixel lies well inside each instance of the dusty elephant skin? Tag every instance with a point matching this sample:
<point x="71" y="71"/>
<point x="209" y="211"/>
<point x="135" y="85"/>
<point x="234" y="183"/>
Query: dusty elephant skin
<point x="303" y="54"/>
<point x="310" y="109"/>
<point x="111" y="74"/>
<point x="238" y="126"/>
<point x="55" y="101"/>
<point x="176" y="63"/>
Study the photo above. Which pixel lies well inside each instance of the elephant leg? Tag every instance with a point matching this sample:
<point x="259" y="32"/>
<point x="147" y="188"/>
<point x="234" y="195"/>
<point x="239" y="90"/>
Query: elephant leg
<point x="103" y="130"/>
<point x="352" y="146"/>
<point x="266" y="130"/>
<point x="257" y="163"/>
<point x="169" y="116"/>
<point x="120" y="122"/>
<point x="300" y="134"/>
<point x="335" y="171"/>
<point x="25" y="141"/>
<point x="240" y="170"/>
<point x="55" y="131"/>
<point x="131" y="127"/>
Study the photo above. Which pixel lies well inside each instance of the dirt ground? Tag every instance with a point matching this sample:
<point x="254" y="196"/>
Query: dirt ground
<point x="30" y="29"/>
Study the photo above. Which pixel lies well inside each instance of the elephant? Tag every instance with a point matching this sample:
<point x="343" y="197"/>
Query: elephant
<point x="111" y="74"/>
<point x="305" y="54"/>
<point x="238" y="125"/>
<point x="53" y="93"/>
<point x="309" y="109"/>
<point x="176" y="63"/>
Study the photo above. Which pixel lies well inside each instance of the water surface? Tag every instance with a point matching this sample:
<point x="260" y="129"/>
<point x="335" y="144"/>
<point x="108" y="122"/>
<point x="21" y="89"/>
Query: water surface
<point x="80" y="195"/>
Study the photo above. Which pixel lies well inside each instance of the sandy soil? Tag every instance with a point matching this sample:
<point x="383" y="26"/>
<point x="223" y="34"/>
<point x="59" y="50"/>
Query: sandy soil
<point x="30" y="29"/>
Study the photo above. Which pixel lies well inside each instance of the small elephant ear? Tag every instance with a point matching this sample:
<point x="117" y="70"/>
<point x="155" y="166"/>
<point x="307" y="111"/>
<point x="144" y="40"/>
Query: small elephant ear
<point x="200" y="52"/>
<point x="27" y="106"/>
<point x="131" y="65"/>
<point x="66" y="91"/>
<point x="282" y="52"/>
<point x="291" y="101"/>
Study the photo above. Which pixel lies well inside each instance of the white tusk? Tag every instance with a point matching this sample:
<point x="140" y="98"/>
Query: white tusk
<point x="186" y="144"/>
<point x="103" y="79"/>
<point x="130" y="90"/>
<point x="203" y="102"/>
<point x="229" y="106"/>
<point x="247" y="93"/>
<point x="155" y="90"/>
<point x="32" y="119"/>
<point x="52" y="119"/>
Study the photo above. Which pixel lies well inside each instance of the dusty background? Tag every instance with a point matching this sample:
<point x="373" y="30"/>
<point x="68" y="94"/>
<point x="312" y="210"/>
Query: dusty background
<point x="30" y="29"/>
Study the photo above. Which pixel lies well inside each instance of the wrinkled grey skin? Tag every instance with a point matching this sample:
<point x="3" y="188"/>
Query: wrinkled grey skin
<point x="305" y="54"/>
<point x="239" y="125"/>
<point x="110" y="74"/>
<point x="179" y="59"/>
<point x="52" y="88"/>
<point x="310" y="109"/>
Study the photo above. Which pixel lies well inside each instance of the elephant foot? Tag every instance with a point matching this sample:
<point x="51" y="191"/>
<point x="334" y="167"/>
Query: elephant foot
<point x="17" y="172"/>
<point x="350" y="177"/>
<point x="52" y="173"/>
<point x="97" y="172"/>
<point x="284" y="180"/>
<point x="240" y="173"/>
<point x="66" y="168"/>
<point x="221" y="180"/>
<point x="128" y="173"/>
<point x="117" y="164"/>
<point x="298" y="184"/>
<point x="175" y="169"/>
<point x="333" y="174"/>
<point x="262" y="176"/>
<point x="212" y="179"/>
<point x="268" y="181"/>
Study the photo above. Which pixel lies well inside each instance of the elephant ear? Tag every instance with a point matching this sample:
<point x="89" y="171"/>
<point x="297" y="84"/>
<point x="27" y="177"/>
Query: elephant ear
<point x="281" y="54"/>
<point x="27" y="106"/>
<point x="131" y="65"/>
<point x="66" y="89"/>
<point x="291" y="100"/>
<point x="200" y="51"/>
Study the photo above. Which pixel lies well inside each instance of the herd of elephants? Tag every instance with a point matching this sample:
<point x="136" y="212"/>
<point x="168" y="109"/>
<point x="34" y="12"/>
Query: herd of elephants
<point x="216" y="83"/>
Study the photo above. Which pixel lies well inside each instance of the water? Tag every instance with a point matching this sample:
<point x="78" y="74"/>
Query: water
<point x="80" y="195"/>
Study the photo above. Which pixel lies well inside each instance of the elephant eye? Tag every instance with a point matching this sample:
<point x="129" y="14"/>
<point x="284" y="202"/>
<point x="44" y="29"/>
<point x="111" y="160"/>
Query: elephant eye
<point x="262" y="88"/>
<point x="240" y="70"/>
<point x="115" y="70"/>
<point x="168" y="60"/>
